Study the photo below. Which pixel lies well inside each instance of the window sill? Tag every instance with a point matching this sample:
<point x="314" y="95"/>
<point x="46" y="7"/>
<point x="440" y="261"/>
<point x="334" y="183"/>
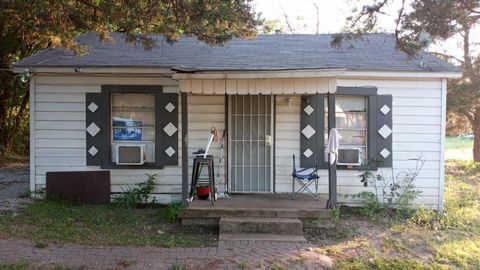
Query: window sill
<point x="133" y="167"/>
<point x="346" y="168"/>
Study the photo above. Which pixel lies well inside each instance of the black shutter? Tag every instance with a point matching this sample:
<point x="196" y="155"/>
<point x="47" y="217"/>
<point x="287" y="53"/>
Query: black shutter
<point x="93" y="128"/>
<point x="166" y="145"/>
<point x="384" y="130"/>
<point x="311" y="131"/>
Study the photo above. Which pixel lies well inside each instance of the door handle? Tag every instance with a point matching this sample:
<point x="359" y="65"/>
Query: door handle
<point x="268" y="140"/>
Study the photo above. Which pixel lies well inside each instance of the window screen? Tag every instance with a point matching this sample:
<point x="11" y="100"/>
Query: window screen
<point x="133" y="121"/>
<point x="351" y="121"/>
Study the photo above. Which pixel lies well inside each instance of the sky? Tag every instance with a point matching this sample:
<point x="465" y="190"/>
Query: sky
<point x="302" y="16"/>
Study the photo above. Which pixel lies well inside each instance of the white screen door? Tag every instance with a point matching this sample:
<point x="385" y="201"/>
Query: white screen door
<point x="250" y="139"/>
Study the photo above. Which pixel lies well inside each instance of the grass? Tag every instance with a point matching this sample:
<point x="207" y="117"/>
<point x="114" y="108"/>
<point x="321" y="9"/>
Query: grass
<point x="427" y="240"/>
<point x="455" y="143"/>
<point x="61" y="222"/>
<point x="25" y="265"/>
<point x="459" y="148"/>
<point x="424" y="241"/>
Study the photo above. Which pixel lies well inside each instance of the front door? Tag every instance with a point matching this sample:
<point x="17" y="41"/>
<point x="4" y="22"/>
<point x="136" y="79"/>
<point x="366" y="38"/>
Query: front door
<point x="250" y="129"/>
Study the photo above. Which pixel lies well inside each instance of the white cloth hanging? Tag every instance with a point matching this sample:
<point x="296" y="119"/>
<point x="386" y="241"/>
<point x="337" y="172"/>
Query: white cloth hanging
<point x="332" y="145"/>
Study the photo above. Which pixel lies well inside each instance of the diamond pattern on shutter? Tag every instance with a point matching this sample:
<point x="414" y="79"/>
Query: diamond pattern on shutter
<point x="93" y="120"/>
<point x="308" y="110"/>
<point x="308" y="153"/>
<point x="170" y="151"/>
<point x="311" y="133"/>
<point x="308" y="131"/>
<point x="384" y="125"/>
<point x="93" y="129"/>
<point x="92" y="107"/>
<point x="93" y="151"/>
<point x="385" y="109"/>
<point x="385" y="131"/>
<point x="385" y="153"/>
<point x="166" y="119"/>
<point x="170" y="129"/>
<point x="170" y="107"/>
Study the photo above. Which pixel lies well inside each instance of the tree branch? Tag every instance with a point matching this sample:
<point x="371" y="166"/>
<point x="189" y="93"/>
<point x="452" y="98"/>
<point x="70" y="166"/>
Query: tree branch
<point x="447" y="56"/>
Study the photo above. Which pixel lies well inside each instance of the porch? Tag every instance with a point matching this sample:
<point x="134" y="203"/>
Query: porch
<point x="264" y="205"/>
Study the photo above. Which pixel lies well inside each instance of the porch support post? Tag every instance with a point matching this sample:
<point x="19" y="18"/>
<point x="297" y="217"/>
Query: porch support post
<point x="332" y="168"/>
<point x="184" y="104"/>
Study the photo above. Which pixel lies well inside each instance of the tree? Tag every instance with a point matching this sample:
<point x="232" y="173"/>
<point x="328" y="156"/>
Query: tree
<point x="442" y="20"/>
<point x="27" y="26"/>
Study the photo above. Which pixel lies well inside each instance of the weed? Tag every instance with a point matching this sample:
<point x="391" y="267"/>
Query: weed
<point x="124" y="263"/>
<point x="177" y="266"/>
<point x="171" y="212"/>
<point x="20" y="265"/>
<point x="391" y="194"/>
<point x="41" y="244"/>
<point x="242" y="265"/>
<point x="27" y="193"/>
<point x="107" y="224"/>
<point x="277" y="266"/>
<point x="138" y="194"/>
<point x="335" y="215"/>
<point x="384" y="264"/>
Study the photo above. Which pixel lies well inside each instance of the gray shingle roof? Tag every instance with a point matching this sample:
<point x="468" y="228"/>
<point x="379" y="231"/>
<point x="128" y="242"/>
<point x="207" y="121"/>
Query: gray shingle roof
<point x="266" y="52"/>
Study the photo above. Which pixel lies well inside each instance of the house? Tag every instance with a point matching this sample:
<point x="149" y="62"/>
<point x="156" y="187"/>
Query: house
<point x="272" y="95"/>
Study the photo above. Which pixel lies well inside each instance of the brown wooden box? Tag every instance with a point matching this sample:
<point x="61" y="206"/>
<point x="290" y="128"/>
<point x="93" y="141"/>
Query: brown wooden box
<point x="80" y="186"/>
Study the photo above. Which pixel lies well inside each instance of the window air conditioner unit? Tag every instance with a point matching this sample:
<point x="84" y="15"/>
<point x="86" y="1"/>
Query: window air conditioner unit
<point x="130" y="154"/>
<point x="349" y="156"/>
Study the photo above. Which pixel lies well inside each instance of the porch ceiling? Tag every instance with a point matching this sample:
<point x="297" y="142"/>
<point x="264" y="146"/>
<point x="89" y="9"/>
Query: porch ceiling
<point x="264" y="86"/>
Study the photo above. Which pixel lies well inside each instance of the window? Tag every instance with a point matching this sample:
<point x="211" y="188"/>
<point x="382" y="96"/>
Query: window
<point x="351" y="120"/>
<point x="133" y="121"/>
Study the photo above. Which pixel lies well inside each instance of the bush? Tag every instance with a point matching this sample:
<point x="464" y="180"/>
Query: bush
<point x="391" y="194"/>
<point x="172" y="211"/>
<point x="139" y="194"/>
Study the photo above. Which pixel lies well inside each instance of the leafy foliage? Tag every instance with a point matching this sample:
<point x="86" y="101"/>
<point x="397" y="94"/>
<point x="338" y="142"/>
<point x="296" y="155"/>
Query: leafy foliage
<point x="390" y="193"/>
<point x="27" y="26"/>
<point x="462" y="200"/>
<point x="139" y="194"/>
<point x="336" y="215"/>
<point x="172" y="212"/>
<point x="418" y="24"/>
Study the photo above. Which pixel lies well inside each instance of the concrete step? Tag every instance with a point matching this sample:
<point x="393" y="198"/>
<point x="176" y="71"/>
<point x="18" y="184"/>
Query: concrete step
<point x="220" y="212"/>
<point x="261" y="237"/>
<point x="276" y="226"/>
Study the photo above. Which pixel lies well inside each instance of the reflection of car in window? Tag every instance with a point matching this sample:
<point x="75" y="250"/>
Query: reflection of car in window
<point x="125" y="129"/>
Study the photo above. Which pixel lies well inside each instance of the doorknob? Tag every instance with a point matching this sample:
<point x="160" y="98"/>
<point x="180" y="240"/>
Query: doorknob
<point x="268" y="140"/>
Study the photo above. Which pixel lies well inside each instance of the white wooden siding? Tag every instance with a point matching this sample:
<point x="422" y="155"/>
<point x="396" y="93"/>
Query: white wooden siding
<point x="417" y="110"/>
<point x="58" y="140"/>
<point x="205" y="112"/>
<point x="417" y="120"/>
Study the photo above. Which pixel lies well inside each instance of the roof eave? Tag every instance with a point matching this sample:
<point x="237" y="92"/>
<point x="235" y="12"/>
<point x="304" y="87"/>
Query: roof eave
<point x="448" y="74"/>
<point x="260" y="74"/>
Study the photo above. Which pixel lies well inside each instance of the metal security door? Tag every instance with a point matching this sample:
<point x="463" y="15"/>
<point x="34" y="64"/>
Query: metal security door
<point x="251" y="141"/>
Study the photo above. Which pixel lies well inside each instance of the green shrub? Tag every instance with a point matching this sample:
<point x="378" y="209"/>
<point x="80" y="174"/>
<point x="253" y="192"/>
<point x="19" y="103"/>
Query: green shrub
<point x="172" y="211"/>
<point x="138" y="194"/>
<point x="393" y="194"/>
<point x="336" y="215"/>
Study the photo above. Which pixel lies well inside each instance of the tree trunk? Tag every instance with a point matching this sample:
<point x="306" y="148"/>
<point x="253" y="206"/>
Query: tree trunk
<point x="9" y="139"/>
<point x="476" y="136"/>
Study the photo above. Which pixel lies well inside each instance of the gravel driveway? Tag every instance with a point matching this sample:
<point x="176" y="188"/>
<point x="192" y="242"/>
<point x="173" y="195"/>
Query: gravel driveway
<point x="14" y="181"/>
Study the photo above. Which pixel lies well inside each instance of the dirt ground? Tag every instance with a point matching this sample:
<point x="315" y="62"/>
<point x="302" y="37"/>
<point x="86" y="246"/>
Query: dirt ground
<point x="14" y="186"/>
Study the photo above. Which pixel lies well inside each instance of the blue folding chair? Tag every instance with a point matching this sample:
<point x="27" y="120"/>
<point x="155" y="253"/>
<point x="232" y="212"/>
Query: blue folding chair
<point x="305" y="177"/>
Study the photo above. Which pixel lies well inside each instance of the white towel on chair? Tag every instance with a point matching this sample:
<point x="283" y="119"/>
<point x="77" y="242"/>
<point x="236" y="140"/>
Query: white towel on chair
<point x="332" y="145"/>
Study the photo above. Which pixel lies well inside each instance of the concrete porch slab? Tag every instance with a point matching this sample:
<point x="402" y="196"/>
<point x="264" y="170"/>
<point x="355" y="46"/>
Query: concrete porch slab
<point x="254" y="205"/>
